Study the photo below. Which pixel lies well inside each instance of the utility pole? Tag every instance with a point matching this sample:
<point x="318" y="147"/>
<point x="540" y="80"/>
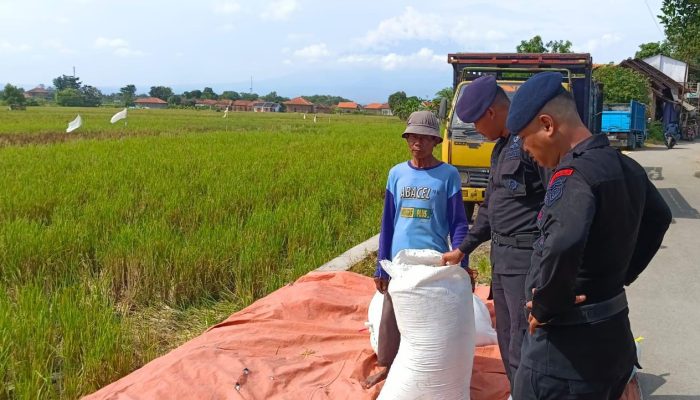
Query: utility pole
<point x="74" y="71"/>
<point x="251" y="84"/>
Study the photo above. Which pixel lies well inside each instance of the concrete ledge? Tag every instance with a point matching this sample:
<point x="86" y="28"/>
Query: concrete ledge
<point x="351" y="257"/>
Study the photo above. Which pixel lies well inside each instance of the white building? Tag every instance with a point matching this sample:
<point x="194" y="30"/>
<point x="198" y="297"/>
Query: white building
<point x="675" y="69"/>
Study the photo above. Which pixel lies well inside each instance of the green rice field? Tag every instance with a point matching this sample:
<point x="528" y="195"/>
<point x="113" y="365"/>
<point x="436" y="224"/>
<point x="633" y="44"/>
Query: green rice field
<point x="120" y="242"/>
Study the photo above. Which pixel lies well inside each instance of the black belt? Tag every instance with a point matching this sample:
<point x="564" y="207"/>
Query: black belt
<point x="590" y="313"/>
<point x="519" y="240"/>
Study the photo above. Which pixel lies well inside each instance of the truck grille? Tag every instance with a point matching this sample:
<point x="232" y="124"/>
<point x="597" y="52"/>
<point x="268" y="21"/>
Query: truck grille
<point x="474" y="177"/>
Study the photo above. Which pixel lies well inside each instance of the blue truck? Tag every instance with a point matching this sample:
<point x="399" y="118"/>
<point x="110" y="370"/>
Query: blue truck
<point x="625" y="124"/>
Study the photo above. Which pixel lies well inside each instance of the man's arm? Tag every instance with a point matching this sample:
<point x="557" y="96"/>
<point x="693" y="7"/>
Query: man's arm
<point x="656" y="219"/>
<point x="568" y="214"/>
<point x="481" y="230"/>
<point x="457" y="220"/>
<point x="386" y="234"/>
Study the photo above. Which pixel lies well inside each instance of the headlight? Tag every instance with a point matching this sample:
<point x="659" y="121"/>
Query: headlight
<point x="464" y="175"/>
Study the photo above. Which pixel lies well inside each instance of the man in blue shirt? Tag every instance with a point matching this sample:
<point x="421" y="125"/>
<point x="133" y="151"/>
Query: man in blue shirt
<point x="422" y="208"/>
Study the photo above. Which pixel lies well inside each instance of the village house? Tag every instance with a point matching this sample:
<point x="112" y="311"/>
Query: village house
<point x="205" y="103"/>
<point x="39" y="92"/>
<point x="378" y="109"/>
<point x="347" y="107"/>
<point x="150" y="102"/>
<point x="266" y="106"/>
<point x="223" y="104"/>
<point x="242" y="105"/>
<point x="323" y="109"/>
<point x="299" y="105"/>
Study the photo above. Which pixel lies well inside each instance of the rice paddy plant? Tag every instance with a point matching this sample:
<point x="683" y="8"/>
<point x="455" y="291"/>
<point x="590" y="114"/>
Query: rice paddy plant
<point x="192" y="215"/>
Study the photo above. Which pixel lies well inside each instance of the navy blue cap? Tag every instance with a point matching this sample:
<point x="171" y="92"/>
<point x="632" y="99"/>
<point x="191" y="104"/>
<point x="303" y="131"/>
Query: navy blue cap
<point x="531" y="97"/>
<point x="476" y="98"/>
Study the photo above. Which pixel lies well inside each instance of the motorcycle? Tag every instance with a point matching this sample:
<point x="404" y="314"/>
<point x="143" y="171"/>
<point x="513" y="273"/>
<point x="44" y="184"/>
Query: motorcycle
<point x="672" y="135"/>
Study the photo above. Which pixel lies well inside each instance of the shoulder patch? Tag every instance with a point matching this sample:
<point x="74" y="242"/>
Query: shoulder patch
<point x="513" y="151"/>
<point x="556" y="186"/>
<point x="560" y="173"/>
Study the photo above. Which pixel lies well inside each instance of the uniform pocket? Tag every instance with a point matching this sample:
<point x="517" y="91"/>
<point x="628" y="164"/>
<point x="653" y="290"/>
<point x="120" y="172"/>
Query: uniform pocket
<point x="513" y="177"/>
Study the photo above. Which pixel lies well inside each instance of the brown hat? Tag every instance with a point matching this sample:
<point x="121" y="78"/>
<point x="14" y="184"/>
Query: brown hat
<point x="423" y="123"/>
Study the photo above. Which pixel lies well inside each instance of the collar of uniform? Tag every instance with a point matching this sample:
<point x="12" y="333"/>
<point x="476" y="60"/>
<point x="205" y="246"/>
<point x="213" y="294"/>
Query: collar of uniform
<point x="593" y="142"/>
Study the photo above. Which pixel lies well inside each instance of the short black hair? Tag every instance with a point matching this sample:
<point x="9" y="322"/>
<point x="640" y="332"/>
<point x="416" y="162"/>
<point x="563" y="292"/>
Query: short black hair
<point x="562" y="104"/>
<point x="501" y="97"/>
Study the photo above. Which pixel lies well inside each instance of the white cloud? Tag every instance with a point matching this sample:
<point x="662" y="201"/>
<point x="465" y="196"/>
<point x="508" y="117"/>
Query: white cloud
<point x="467" y="30"/>
<point x="313" y="52"/>
<point x="103" y="42"/>
<point x="58" y="46"/>
<point x="422" y="59"/>
<point x="471" y="30"/>
<point x="411" y="25"/>
<point x="127" y="52"/>
<point x="606" y="40"/>
<point x="279" y="10"/>
<point x="10" y="48"/>
<point x="226" y="7"/>
<point x="119" y="46"/>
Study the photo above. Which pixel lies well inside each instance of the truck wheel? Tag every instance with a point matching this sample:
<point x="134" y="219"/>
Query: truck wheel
<point x="469" y="211"/>
<point x="631" y="141"/>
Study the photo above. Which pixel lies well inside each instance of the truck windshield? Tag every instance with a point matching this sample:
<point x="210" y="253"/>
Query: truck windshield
<point x="460" y="130"/>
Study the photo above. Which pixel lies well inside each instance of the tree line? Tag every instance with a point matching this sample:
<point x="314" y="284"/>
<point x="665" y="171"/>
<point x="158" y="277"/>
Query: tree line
<point x="69" y="91"/>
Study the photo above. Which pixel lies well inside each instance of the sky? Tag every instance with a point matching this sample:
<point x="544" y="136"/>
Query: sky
<point x="361" y="50"/>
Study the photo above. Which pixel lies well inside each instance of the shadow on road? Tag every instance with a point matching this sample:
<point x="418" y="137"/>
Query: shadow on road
<point x="650" y="383"/>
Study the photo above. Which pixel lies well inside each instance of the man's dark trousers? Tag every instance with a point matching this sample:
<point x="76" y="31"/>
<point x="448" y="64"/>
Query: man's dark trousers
<point x="511" y="324"/>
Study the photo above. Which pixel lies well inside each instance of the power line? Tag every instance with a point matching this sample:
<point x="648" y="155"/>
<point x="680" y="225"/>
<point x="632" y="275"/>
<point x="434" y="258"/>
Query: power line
<point x="651" y="14"/>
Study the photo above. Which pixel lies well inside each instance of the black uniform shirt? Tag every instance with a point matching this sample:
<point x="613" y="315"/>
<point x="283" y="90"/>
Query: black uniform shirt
<point x="601" y="224"/>
<point x="514" y="195"/>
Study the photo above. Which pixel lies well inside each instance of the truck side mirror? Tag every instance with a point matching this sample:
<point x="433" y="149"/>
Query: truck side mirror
<point x="443" y="108"/>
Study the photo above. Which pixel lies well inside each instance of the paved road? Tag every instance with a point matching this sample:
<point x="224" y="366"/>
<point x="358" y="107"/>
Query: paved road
<point x="664" y="301"/>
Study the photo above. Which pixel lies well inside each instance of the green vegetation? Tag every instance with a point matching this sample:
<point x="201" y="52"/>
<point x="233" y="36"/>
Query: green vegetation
<point x="536" y="45"/>
<point x="681" y="21"/>
<point x="118" y="242"/>
<point x="13" y="96"/>
<point x="655" y="133"/>
<point x="621" y="85"/>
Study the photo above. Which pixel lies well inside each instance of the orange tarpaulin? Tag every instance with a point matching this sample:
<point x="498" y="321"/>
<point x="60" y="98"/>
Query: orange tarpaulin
<point x="306" y="340"/>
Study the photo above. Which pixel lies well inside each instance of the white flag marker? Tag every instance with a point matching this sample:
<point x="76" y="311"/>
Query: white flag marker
<point x="74" y="124"/>
<point x="118" y="116"/>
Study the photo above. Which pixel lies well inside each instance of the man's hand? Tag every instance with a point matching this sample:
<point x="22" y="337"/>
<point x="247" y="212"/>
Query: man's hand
<point x="472" y="275"/>
<point x="381" y="284"/>
<point x="452" y="257"/>
<point x="534" y="323"/>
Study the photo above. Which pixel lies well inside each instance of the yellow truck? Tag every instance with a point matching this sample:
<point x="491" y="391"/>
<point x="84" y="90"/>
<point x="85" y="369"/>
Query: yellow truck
<point x="468" y="150"/>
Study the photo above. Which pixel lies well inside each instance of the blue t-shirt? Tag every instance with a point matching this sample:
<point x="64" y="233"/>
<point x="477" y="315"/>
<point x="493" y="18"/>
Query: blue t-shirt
<point x="422" y="207"/>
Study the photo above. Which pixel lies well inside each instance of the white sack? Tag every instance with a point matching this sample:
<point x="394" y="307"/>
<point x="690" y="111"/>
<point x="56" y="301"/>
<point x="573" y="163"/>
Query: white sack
<point x="436" y="353"/>
<point x="374" y="317"/>
<point x="485" y="334"/>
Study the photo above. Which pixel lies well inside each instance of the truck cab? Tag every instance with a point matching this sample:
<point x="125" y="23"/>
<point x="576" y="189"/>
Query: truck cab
<point x="467" y="149"/>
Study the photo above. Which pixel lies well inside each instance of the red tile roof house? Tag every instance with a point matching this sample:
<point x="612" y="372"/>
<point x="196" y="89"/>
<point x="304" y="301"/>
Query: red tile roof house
<point x="204" y="103"/>
<point x="299" y="105"/>
<point x="242" y="105"/>
<point x="378" y="109"/>
<point x="321" y="108"/>
<point x="213" y="104"/>
<point x="150" y="102"/>
<point x="224" y="104"/>
<point x="347" y="107"/>
<point x="38" y="92"/>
